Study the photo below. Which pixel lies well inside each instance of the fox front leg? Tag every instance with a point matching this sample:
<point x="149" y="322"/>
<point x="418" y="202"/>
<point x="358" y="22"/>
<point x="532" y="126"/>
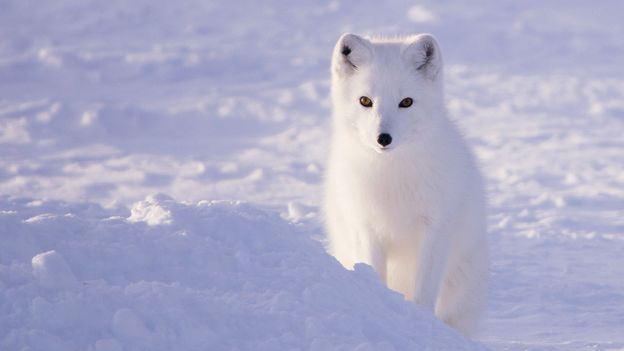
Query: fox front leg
<point x="431" y="265"/>
<point x="371" y="252"/>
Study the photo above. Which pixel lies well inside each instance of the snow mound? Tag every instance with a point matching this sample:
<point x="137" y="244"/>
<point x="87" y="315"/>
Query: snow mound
<point x="204" y="276"/>
<point x="52" y="271"/>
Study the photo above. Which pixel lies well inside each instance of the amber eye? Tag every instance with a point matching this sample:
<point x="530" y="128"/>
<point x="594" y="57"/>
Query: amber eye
<point x="407" y="102"/>
<point x="366" y="101"/>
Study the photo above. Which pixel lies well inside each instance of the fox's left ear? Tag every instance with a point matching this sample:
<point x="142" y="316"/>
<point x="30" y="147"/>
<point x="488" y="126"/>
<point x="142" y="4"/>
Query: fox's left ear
<point x="423" y="53"/>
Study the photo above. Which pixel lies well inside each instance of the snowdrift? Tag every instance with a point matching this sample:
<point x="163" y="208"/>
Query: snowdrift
<point x="204" y="276"/>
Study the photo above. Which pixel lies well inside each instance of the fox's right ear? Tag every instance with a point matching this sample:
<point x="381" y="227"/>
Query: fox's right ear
<point x="351" y="52"/>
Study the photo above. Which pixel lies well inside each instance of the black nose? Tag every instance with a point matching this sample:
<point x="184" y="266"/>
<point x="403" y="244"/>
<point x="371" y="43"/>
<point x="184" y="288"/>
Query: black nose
<point x="384" y="139"/>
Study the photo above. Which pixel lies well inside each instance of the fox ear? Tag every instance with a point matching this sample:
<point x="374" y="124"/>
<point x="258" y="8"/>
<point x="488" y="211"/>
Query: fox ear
<point x="350" y="53"/>
<point x="423" y="53"/>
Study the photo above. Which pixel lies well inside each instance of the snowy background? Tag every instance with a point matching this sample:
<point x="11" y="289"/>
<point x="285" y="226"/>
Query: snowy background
<point x="104" y="105"/>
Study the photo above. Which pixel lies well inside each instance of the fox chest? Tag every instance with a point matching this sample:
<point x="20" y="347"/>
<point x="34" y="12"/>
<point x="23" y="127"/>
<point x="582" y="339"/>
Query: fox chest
<point x="393" y="206"/>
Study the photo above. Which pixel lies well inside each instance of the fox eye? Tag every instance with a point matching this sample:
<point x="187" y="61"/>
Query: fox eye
<point x="407" y="102"/>
<point x="366" y="101"/>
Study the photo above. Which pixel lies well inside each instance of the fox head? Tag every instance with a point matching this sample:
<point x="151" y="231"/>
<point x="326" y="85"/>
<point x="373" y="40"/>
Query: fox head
<point x="386" y="92"/>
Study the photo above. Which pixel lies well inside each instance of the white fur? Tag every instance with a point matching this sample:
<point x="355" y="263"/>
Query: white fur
<point x="414" y="211"/>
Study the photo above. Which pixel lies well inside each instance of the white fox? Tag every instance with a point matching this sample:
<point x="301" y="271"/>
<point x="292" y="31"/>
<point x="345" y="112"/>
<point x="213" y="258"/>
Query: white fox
<point x="402" y="191"/>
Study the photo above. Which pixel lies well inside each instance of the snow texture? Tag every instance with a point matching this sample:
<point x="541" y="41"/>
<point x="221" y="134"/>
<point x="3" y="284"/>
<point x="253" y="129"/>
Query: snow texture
<point x="205" y="276"/>
<point x="103" y="104"/>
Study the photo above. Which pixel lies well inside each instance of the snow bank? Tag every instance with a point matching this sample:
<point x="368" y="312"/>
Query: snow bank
<point x="205" y="276"/>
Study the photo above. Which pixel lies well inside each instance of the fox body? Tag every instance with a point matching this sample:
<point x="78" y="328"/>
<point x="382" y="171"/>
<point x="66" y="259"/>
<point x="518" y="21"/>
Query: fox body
<point x="403" y="192"/>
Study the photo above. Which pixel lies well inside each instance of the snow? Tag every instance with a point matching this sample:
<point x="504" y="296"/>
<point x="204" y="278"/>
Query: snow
<point x="105" y="108"/>
<point x="208" y="275"/>
<point x="51" y="270"/>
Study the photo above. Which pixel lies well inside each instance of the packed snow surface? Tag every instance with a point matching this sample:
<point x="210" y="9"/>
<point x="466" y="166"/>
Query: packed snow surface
<point x="103" y="104"/>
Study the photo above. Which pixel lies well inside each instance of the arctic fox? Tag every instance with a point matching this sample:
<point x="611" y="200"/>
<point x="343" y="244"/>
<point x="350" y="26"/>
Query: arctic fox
<point x="402" y="191"/>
